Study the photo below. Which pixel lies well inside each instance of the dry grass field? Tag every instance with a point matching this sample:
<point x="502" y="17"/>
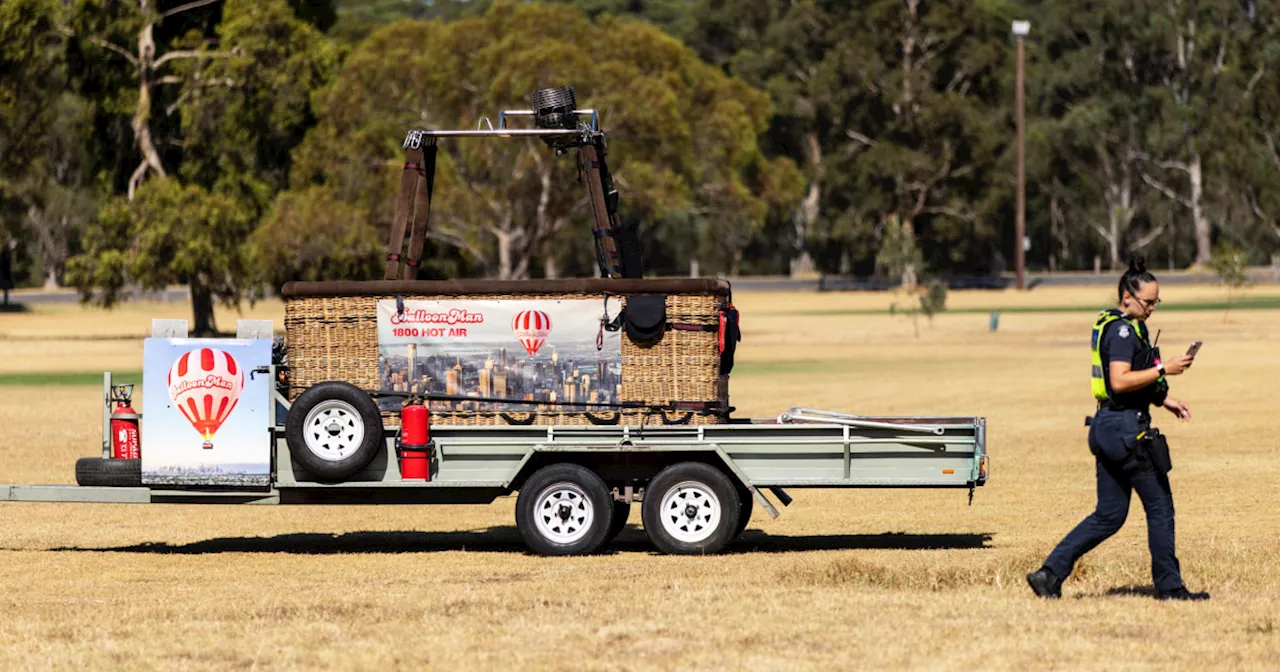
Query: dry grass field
<point x="843" y="580"/>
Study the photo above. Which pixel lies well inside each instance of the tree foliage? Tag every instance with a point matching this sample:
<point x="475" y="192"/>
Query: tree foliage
<point x="169" y="233"/>
<point x="836" y="136"/>
<point x="214" y="112"/>
<point x="683" y="138"/>
<point x="39" y="167"/>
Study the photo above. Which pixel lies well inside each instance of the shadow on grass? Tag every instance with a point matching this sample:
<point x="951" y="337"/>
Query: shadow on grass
<point x="1128" y="591"/>
<point x="755" y="541"/>
<point x="506" y="539"/>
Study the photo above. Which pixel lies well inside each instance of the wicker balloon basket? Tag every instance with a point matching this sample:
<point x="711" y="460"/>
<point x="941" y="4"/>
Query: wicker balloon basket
<point x="332" y="335"/>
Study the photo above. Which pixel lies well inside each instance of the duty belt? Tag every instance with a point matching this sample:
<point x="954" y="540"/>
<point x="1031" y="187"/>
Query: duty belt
<point x="1114" y="408"/>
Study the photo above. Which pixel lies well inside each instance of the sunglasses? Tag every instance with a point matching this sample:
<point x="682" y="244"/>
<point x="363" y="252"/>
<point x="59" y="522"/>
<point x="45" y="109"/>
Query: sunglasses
<point x="1152" y="303"/>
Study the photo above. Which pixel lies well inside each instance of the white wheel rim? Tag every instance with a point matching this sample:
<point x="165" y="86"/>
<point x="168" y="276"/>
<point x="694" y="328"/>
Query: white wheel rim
<point x="690" y="512"/>
<point x="563" y="513"/>
<point x="333" y="430"/>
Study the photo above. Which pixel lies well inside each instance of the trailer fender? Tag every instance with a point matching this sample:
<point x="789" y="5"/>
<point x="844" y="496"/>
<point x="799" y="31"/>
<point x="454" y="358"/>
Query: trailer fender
<point x="755" y="492"/>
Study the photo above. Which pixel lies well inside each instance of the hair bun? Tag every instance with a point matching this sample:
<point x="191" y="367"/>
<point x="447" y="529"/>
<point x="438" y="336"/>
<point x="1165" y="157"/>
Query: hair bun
<point x="1137" y="264"/>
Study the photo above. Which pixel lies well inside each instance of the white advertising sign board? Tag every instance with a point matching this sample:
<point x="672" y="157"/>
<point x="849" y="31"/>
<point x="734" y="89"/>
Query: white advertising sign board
<point x="205" y="414"/>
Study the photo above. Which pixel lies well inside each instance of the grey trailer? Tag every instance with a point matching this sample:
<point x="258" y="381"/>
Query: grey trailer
<point x="697" y="485"/>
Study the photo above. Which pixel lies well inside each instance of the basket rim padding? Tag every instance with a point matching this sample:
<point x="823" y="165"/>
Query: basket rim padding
<point x="567" y="286"/>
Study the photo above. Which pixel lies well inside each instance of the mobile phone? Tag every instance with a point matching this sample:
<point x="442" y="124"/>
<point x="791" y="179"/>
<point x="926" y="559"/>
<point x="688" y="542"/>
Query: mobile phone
<point x="1195" y="347"/>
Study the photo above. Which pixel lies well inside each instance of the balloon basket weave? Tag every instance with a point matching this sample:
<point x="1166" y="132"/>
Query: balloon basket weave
<point x="331" y="334"/>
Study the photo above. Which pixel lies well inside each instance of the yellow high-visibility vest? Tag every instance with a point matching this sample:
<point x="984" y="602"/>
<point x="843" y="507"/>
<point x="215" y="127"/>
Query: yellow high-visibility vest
<point x="1105" y="318"/>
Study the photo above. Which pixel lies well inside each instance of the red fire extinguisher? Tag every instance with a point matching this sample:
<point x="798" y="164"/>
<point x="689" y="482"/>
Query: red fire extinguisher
<point x="414" y="439"/>
<point x="125" y="441"/>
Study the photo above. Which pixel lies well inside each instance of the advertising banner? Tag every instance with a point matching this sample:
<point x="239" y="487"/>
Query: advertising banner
<point x="205" y="414"/>
<point x="543" y="350"/>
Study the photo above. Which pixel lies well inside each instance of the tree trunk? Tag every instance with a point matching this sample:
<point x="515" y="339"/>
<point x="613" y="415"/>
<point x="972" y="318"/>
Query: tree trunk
<point x="1113" y="241"/>
<point x="807" y="214"/>
<point x="1053" y="225"/>
<point x="1204" y="251"/>
<point x="1120" y="211"/>
<point x="909" y="277"/>
<point x="504" y="254"/>
<point x="202" y="309"/>
<point x="141" y="122"/>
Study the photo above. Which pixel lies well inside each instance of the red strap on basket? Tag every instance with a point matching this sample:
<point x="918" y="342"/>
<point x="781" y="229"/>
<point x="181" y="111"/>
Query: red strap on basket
<point x="720" y="334"/>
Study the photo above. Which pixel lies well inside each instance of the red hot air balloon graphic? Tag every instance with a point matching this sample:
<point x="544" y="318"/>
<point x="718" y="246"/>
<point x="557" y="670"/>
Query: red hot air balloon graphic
<point x="531" y="327"/>
<point x="205" y="385"/>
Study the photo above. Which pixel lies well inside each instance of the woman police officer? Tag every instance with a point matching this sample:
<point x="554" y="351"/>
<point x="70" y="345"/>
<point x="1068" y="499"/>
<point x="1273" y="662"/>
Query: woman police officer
<point x="1128" y="378"/>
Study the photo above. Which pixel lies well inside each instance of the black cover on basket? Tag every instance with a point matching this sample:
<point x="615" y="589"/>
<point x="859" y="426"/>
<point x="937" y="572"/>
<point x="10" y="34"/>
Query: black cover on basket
<point x="646" y="318"/>
<point x="729" y="337"/>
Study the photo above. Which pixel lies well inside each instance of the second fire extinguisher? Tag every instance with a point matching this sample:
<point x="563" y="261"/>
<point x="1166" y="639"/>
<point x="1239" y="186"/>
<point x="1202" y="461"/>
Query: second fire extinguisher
<point x="125" y="441"/>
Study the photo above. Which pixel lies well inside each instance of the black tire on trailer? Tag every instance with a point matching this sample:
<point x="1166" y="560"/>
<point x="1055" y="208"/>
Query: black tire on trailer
<point x="564" y="509"/>
<point x="691" y="508"/>
<point x="745" y="508"/>
<point x="334" y="430"/>
<point x="621" y="511"/>
<point x="98" y="471"/>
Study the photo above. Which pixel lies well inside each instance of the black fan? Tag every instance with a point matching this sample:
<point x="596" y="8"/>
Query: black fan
<point x="554" y="109"/>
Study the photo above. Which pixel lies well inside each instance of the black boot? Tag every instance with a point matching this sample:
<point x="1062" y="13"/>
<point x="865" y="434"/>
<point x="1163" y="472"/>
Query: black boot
<point x="1044" y="583"/>
<point x="1181" y="593"/>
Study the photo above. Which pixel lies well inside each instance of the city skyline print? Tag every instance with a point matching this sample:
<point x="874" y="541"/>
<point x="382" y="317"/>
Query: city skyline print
<point x="538" y="353"/>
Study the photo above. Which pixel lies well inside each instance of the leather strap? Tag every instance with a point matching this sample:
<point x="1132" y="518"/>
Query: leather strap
<point x="421" y="210"/>
<point x="404" y="203"/>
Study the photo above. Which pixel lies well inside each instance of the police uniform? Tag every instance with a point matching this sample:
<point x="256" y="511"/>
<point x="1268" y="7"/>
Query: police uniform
<point x="1115" y="438"/>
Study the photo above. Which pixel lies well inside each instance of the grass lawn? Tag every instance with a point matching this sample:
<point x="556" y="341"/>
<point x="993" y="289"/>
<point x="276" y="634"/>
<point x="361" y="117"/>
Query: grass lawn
<point x="843" y="579"/>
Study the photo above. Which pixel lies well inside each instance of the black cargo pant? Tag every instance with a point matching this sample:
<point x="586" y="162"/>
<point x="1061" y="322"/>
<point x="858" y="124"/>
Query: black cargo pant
<point x="1123" y="467"/>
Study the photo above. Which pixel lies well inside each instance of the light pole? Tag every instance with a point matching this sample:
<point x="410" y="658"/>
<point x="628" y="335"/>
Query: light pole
<point x="1020" y="31"/>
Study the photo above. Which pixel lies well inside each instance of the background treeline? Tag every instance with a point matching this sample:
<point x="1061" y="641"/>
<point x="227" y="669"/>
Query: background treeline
<point x="232" y="145"/>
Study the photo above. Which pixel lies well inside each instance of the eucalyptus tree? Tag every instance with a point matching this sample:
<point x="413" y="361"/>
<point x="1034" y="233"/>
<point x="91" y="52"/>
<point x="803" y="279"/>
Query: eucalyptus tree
<point x="682" y="139"/>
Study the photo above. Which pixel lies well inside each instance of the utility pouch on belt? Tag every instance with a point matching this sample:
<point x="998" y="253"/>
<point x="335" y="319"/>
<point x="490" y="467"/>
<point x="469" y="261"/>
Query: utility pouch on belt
<point x="1158" y="451"/>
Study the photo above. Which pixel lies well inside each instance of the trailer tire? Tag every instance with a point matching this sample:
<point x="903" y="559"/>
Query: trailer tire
<point x="691" y="508"/>
<point x="621" y="511"/>
<point x="99" y="471"/>
<point x="564" y="509"/>
<point x="334" y="430"/>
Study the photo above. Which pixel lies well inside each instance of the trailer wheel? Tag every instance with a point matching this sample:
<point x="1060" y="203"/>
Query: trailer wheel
<point x="691" y="508"/>
<point x="621" y="511"/>
<point x="564" y="509"/>
<point x="109" y="472"/>
<point x="334" y="430"/>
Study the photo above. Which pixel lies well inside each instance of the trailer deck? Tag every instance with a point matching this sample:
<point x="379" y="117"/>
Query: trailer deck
<point x="801" y="449"/>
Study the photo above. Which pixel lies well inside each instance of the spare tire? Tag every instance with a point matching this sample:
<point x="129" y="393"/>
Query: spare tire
<point x="97" y="471"/>
<point x="334" y="430"/>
